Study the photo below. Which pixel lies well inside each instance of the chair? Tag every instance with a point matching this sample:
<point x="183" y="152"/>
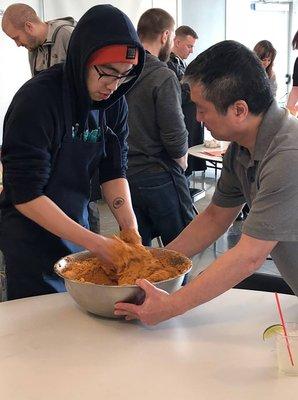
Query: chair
<point x="196" y="195"/>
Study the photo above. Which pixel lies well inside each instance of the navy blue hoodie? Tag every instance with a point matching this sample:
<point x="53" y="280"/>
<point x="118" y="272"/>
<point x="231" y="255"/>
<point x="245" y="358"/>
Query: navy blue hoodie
<point x="44" y="151"/>
<point x="58" y="99"/>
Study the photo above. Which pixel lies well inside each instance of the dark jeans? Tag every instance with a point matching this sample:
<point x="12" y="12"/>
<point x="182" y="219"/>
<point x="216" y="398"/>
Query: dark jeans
<point x="156" y="204"/>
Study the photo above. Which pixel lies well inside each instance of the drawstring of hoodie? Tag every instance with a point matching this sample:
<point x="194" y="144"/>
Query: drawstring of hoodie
<point x="110" y="141"/>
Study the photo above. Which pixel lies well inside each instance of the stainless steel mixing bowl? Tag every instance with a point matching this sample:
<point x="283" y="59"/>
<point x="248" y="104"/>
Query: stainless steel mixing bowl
<point x="100" y="299"/>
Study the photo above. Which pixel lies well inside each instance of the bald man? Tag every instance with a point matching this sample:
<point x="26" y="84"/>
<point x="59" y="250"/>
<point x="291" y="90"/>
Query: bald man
<point x="46" y="42"/>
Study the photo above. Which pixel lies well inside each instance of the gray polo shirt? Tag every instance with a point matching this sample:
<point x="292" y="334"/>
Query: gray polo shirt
<point x="267" y="180"/>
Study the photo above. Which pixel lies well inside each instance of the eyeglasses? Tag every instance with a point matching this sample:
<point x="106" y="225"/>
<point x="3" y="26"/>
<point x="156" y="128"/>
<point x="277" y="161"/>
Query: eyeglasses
<point x="113" y="78"/>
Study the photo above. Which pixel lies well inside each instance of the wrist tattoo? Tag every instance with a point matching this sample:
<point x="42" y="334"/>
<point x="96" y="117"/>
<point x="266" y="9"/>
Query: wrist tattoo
<point x="118" y="202"/>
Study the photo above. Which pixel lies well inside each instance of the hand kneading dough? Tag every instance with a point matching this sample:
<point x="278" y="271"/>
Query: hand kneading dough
<point x="132" y="261"/>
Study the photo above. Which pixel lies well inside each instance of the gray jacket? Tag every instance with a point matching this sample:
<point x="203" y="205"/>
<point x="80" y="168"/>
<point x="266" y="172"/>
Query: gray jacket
<point x="53" y="50"/>
<point x="155" y="119"/>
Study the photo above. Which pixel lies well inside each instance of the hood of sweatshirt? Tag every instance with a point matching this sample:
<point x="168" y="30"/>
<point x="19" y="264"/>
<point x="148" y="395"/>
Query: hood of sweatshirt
<point x="101" y="26"/>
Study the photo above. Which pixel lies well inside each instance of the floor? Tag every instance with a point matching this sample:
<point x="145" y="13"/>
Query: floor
<point x="202" y="260"/>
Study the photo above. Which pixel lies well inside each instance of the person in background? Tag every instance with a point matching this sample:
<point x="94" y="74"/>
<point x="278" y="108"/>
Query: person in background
<point x="267" y="53"/>
<point x="54" y="143"/>
<point x="233" y="98"/>
<point x="292" y="104"/>
<point x="46" y="42"/>
<point x="157" y="156"/>
<point x="184" y="43"/>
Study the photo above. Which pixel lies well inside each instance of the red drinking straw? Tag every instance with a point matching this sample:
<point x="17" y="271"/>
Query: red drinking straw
<point x="284" y="328"/>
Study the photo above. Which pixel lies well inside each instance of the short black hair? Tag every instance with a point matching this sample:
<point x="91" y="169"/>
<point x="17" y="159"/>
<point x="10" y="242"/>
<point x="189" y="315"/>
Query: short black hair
<point x="153" y="22"/>
<point x="229" y="71"/>
<point x="185" y="30"/>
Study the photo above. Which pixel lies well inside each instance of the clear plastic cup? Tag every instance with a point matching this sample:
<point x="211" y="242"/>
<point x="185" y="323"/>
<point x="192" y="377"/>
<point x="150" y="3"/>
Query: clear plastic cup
<point x="283" y="358"/>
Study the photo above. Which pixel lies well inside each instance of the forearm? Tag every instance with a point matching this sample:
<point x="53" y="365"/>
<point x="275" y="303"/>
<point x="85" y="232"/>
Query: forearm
<point x="204" y="230"/>
<point x="182" y="161"/>
<point x="117" y="196"/>
<point x="223" y="274"/>
<point x="47" y="214"/>
<point x="292" y="100"/>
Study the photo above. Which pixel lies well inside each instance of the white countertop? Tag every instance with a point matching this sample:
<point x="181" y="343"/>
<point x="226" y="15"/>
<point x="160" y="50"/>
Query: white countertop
<point x="51" y="350"/>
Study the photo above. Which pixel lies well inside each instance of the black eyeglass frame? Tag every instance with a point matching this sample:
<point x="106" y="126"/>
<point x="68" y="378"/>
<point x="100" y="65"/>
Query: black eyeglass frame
<point x="121" y="78"/>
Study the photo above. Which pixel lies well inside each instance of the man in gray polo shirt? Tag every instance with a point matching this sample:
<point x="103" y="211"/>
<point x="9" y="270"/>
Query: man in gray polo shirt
<point x="234" y="101"/>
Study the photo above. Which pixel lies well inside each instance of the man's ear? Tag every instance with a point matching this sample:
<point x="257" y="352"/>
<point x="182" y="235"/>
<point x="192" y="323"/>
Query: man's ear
<point x="177" y="41"/>
<point x="28" y="27"/>
<point x="240" y="110"/>
<point x="164" y="36"/>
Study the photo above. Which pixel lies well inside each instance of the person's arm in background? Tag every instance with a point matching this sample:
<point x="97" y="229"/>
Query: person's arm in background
<point x="182" y="161"/>
<point x="292" y="105"/>
<point x="170" y="119"/>
<point x="293" y="96"/>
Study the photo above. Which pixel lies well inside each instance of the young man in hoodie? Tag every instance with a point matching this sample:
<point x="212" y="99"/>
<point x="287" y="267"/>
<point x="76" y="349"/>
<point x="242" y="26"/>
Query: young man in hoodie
<point x="61" y="126"/>
<point x="157" y="156"/>
<point x="46" y="42"/>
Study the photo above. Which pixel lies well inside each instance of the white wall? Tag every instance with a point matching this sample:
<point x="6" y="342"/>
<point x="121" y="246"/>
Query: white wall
<point x="207" y="18"/>
<point x="76" y="8"/>
<point x="133" y="8"/>
<point x="261" y="24"/>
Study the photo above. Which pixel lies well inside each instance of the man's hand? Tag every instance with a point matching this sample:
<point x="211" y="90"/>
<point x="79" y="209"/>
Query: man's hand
<point x="156" y="308"/>
<point x="182" y="161"/>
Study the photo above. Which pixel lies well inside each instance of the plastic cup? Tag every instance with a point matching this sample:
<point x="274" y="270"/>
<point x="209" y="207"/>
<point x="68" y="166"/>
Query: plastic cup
<point x="283" y="359"/>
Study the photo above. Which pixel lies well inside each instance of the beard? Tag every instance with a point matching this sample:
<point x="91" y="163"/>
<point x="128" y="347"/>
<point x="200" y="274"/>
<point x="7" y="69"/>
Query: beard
<point x="165" y="51"/>
<point x="32" y="42"/>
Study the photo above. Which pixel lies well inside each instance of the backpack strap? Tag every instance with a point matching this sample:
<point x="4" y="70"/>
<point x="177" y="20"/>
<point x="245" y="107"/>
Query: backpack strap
<point x="58" y="29"/>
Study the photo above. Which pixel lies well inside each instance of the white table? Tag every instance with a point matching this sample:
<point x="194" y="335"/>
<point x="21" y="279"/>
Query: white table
<point x="198" y="151"/>
<point x="51" y="350"/>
